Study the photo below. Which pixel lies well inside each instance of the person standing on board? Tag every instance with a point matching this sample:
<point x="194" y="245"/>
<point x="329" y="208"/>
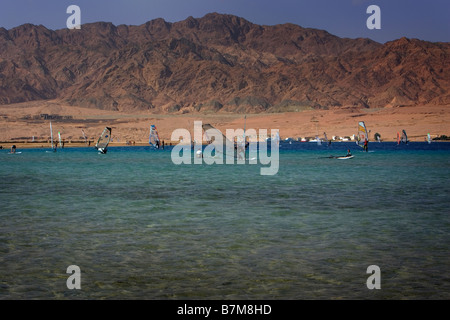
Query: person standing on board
<point x="366" y="145"/>
<point x="13" y="148"/>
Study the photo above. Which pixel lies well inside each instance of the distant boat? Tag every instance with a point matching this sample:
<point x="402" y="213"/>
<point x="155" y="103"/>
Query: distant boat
<point x="103" y="141"/>
<point x="362" y="134"/>
<point x="153" y="138"/>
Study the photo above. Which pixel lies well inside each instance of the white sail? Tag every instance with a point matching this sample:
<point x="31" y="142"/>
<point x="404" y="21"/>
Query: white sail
<point x="103" y="141"/>
<point x="84" y="136"/>
<point x="213" y="133"/>
<point x="319" y="142"/>
<point x="428" y="138"/>
<point x="51" y="136"/>
<point x="219" y="142"/>
<point x="60" y="142"/>
<point x="277" y="138"/>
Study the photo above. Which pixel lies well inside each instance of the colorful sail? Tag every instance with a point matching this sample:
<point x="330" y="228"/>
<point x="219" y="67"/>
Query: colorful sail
<point x="362" y="134"/>
<point x="103" y="141"/>
<point x="154" y="137"/>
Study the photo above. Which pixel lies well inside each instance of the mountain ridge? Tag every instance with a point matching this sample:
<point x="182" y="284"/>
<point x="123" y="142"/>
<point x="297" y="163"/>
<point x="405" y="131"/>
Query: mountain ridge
<point x="217" y="63"/>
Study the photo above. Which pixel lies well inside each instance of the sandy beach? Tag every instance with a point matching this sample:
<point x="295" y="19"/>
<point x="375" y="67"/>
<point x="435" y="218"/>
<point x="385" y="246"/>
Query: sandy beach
<point x="21" y="123"/>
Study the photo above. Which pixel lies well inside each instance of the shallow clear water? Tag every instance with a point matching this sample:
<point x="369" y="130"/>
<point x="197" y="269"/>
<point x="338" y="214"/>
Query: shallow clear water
<point x="140" y="227"/>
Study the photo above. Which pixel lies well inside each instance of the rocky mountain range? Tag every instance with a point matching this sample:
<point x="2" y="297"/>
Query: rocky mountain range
<point x="217" y="63"/>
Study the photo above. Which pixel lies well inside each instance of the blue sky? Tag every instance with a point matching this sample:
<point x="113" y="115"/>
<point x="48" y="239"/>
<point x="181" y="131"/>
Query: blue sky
<point x="426" y="20"/>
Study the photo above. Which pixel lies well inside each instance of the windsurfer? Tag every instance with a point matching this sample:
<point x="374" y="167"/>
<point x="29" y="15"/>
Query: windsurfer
<point x="366" y="145"/>
<point x="13" y="148"/>
<point x="348" y="153"/>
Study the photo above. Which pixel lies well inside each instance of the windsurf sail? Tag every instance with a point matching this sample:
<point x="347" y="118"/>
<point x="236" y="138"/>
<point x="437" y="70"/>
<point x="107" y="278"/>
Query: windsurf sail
<point x="277" y="138"/>
<point x="241" y="145"/>
<point x="319" y="142"/>
<point x="214" y="132"/>
<point x="103" y="141"/>
<point x="153" y="138"/>
<point x="362" y="134"/>
<point x="326" y="139"/>
<point x="51" y="136"/>
<point x="377" y="137"/>
<point x="60" y="141"/>
<point x="404" y="137"/>
<point x="84" y="136"/>
<point x="245" y="138"/>
<point x="428" y="138"/>
<point x="398" y="138"/>
<point x="216" y="138"/>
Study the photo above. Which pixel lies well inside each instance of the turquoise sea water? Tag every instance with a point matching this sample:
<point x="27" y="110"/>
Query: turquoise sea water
<point x="140" y="227"/>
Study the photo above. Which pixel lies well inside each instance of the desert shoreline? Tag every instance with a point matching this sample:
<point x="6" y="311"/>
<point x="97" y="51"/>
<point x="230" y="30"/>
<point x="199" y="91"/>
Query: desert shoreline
<point x="22" y="123"/>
